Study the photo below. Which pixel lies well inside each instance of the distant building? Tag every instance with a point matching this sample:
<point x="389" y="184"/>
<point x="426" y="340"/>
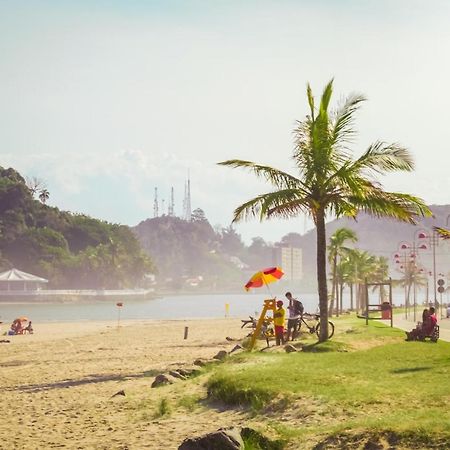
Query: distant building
<point x="16" y="280"/>
<point x="238" y="263"/>
<point x="290" y="259"/>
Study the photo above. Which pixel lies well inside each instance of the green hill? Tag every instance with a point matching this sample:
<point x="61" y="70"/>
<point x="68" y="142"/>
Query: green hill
<point x="189" y="254"/>
<point x="70" y="250"/>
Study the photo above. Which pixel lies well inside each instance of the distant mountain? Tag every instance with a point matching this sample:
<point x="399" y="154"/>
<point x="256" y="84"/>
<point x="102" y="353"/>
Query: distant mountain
<point x="382" y="237"/>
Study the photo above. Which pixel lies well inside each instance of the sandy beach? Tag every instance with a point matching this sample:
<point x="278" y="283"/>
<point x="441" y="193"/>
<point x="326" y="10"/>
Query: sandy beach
<point x="57" y="384"/>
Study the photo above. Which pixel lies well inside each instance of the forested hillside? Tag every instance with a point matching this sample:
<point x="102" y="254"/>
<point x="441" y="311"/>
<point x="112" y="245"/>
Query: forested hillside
<point x="70" y="250"/>
<point x="189" y="253"/>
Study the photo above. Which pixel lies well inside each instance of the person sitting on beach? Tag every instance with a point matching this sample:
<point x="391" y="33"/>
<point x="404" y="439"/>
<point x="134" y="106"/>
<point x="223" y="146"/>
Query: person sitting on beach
<point x="16" y="327"/>
<point x="28" y="329"/>
<point x="278" y="321"/>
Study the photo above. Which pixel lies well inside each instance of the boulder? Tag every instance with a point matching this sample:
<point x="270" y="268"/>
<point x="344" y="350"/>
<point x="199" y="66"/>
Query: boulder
<point x="200" y="362"/>
<point x="122" y="392"/>
<point x="161" y="380"/>
<point x="237" y="348"/>
<point x="223" y="439"/>
<point x="290" y="348"/>
<point x="177" y="374"/>
<point x="221" y="355"/>
<point x="187" y="372"/>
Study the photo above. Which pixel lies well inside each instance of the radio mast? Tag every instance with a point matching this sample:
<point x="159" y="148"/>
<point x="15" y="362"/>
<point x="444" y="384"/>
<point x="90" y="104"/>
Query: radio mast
<point x="187" y="213"/>
<point x="155" y="204"/>
<point x="171" y="204"/>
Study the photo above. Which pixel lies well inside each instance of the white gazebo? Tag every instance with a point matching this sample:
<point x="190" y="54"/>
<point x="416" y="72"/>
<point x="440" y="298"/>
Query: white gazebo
<point x="16" y="280"/>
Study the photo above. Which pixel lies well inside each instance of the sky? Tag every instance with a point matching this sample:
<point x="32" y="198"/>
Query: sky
<point x="106" y="100"/>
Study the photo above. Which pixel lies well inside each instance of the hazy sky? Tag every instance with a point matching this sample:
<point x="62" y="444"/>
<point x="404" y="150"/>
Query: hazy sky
<point x="106" y="100"/>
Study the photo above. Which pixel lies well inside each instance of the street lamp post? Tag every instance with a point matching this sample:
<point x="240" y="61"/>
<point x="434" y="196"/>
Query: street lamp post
<point x="402" y="268"/>
<point x="411" y="270"/>
<point x="433" y="240"/>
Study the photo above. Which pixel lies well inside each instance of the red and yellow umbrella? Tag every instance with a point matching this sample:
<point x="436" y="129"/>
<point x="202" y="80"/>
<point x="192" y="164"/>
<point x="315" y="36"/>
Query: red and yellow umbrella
<point x="264" y="277"/>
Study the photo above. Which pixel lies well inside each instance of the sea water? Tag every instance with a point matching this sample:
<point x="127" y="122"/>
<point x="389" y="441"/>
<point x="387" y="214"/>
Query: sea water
<point x="169" y="307"/>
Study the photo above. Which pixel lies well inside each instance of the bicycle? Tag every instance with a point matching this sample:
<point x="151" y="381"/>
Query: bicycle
<point x="267" y="331"/>
<point x="315" y="327"/>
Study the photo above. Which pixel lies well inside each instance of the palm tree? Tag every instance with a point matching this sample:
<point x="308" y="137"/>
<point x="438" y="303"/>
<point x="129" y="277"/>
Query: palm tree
<point x="44" y="195"/>
<point x="337" y="249"/>
<point x="363" y="265"/>
<point x="330" y="181"/>
<point x="379" y="274"/>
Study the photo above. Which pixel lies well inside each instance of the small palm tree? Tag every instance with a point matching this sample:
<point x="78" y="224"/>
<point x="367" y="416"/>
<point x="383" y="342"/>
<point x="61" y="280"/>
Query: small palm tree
<point x="44" y="195"/>
<point x="337" y="249"/>
<point x="330" y="181"/>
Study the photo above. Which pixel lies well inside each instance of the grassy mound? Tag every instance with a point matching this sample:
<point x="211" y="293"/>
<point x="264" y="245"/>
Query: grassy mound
<point x="368" y="379"/>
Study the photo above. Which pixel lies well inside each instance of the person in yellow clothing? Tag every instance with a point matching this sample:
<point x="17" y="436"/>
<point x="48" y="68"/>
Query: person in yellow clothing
<point x="278" y="321"/>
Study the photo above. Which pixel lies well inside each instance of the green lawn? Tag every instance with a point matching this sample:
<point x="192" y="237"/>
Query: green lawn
<point x="366" y="378"/>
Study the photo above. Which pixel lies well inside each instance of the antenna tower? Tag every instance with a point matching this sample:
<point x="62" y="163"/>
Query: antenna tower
<point x="187" y="200"/>
<point x="171" y="208"/>
<point x="155" y="204"/>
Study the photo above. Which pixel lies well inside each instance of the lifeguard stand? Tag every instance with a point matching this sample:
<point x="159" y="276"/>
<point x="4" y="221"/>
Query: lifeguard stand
<point x="269" y="305"/>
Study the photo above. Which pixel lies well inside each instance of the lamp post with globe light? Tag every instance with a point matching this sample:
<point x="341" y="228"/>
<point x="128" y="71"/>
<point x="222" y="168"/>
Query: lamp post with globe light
<point x="403" y="262"/>
<point x="433" y="241"/>
<point x="407" y="260"/>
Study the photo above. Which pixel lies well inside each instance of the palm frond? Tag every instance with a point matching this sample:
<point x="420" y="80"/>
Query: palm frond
<point x="310" y="96"/>
<point x="326" y="97"/>
<point x="276" y="177"/>
<point x="283" y="203"/>
<point x="342" y="130"/>
<point x="442" y="232"/>
<point x="381" y="157"/>
<point x="403" y="207"/>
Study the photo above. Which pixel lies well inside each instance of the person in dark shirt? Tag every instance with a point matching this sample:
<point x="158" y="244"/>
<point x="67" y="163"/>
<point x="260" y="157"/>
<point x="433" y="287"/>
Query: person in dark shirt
<point x="295" y="309"/>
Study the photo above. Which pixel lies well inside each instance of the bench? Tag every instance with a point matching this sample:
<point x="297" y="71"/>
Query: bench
<point x="433" y="336"/>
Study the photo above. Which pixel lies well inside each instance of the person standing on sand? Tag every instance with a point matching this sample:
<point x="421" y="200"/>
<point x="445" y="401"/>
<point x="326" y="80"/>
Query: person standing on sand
<point x="278" y="321"/>
<point x="295" y="309"/>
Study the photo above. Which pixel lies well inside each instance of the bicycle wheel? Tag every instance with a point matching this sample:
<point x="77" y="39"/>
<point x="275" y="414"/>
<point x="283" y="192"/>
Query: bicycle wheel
<point x="330" y="329"/>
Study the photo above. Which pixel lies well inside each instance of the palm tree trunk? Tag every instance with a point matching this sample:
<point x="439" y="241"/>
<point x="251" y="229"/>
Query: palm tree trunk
<point x="358" y="298"/>
<point x="322" y="274"/>
<point x="351" y="296"/>
<point x="333" y="286"/>
<point x="341" y="295"/>
<point x="337" y="299"/>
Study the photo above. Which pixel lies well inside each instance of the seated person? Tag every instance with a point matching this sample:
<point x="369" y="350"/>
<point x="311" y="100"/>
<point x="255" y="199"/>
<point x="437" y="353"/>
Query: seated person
<point x="16" y="327"/>
<point x="28" y="329"/>
<point x="425" y="328"/>
<point x="431" y="323"/>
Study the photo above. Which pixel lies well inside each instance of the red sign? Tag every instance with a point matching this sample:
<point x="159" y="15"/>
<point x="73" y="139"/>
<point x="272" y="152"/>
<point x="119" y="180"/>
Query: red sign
<point x="119" y="304"/>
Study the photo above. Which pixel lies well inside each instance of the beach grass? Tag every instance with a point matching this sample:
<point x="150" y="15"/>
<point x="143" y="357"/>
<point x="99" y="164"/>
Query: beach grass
<point x="366" y="378"/>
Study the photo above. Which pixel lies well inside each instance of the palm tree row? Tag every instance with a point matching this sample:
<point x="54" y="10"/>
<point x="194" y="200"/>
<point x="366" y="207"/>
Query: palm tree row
<point x="355" y="269"/>
<point x="330" y="182"/>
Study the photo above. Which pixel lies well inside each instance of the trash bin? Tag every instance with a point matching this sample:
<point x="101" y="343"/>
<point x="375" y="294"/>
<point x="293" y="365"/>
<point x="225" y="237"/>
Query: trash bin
<point x="386" y="310"/>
